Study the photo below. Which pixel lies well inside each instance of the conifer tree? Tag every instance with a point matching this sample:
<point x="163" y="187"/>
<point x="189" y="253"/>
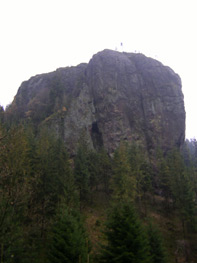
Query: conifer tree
<point x="182" y="191"/>
<point x="68" y="241"/>
<point x="51" y="183"/>
<point x="105" y="169"/>
<point x="62" y="176"/>
<point x="189" y="152"/>
<point x="100" y="169"/>
<point x="14" y="185"/>
<point x="123" y="183"/>
<point x="126" y="240"/>
<point x="164" y="179"/>
<point x="141" y="170"/>
<point x="1" y="114"/>
<point x="157" y="249"/>
<point x="94" y="171"/>
<point x="81" y="172"/>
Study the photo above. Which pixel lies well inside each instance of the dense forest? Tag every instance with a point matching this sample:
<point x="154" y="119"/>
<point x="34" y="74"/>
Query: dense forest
<point x="94" y="207"/>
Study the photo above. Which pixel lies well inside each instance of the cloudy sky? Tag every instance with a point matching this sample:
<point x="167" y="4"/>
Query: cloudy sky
<point x="38" y="36"/>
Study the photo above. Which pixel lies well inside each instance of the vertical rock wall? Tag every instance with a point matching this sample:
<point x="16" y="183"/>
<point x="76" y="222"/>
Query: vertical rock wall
<point x="116" y="96"/>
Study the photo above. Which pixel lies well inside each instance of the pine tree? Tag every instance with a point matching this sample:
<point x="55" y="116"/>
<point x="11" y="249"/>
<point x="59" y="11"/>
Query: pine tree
<point x="62" y="173"/>
<point x="68" y="241"/>
<point x="190" y="160"/>
<point x="93" y="168"/>
<point x="182" y="191"/>
<point x="123" y="183"/>
<point x="141" y="170"/>
<point x="100" y="169"/>
<point x="105" y="169"/>
<point x="164" y="179"/>
<point x="52" y="183"/>
<point x="1" y="114"/>
<point x="81" y="172"/>
<point x="157" y="249"/>
<point x="125" y="237"/>
<point x="14" y="185"/>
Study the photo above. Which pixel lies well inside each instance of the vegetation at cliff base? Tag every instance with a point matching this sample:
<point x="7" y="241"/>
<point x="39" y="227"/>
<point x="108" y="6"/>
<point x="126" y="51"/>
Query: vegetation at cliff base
<point x="94" y="207"/>
<point x="126" y="238"/>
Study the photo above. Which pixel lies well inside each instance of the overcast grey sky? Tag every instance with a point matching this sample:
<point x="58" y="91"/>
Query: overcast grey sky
<point x="38" y="36"/>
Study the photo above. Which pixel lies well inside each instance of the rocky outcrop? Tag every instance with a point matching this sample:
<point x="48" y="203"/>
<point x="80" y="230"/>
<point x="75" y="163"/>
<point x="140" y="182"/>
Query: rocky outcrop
<point x="116" y="96"/>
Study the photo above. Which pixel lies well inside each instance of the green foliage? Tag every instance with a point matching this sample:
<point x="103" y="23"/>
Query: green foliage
<point x="164" y="179"/>
<point x="1" y="114"/>
<point x="54" y="175"/>
<point x="126" y="238"/>
<point x="190" y="160"/>
<point x="94" y="171"/>
<point x="157" y="249"/>
<point x="36" y="178"/>
<point x="100" y="170"/>
<point x="68" y="242"/>
<point x="140" y="169"/>
<point x="81" y="172"/>
<point x="181" y="189"/>
<point x="123" y="181"/>
<point x="104" y="167"/>
<point x="14" y="186"/>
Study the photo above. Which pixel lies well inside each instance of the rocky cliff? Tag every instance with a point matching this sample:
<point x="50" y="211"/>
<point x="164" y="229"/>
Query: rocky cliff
<point x="116" y="96"/>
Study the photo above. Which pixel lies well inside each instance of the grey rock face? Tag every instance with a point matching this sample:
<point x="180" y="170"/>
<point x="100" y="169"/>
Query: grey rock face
<point x="115" y="97"/>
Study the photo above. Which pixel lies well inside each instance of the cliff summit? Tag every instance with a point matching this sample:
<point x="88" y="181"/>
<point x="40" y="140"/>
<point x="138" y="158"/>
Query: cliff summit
<point x="115" y="97"/>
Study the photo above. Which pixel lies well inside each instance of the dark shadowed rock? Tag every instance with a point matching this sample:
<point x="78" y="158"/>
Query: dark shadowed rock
<point x="116" y="96"/>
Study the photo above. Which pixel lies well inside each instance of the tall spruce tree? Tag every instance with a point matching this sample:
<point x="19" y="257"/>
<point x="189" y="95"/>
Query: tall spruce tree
<point x="81" y="172"/>
<point x="100" y="169"/>
<point x="157" y="249"/>
<point x="123" y="182"/>
<point x="141" y="170"/>
<point x="68" y="242"/>
<point x="1" y="114"/>
<point x="164" y="180"/>
<point x="14" y="186"/>
<point x="182" y="191"/>
<point x="126" y="240"/>
<point x="104" y="169"/>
